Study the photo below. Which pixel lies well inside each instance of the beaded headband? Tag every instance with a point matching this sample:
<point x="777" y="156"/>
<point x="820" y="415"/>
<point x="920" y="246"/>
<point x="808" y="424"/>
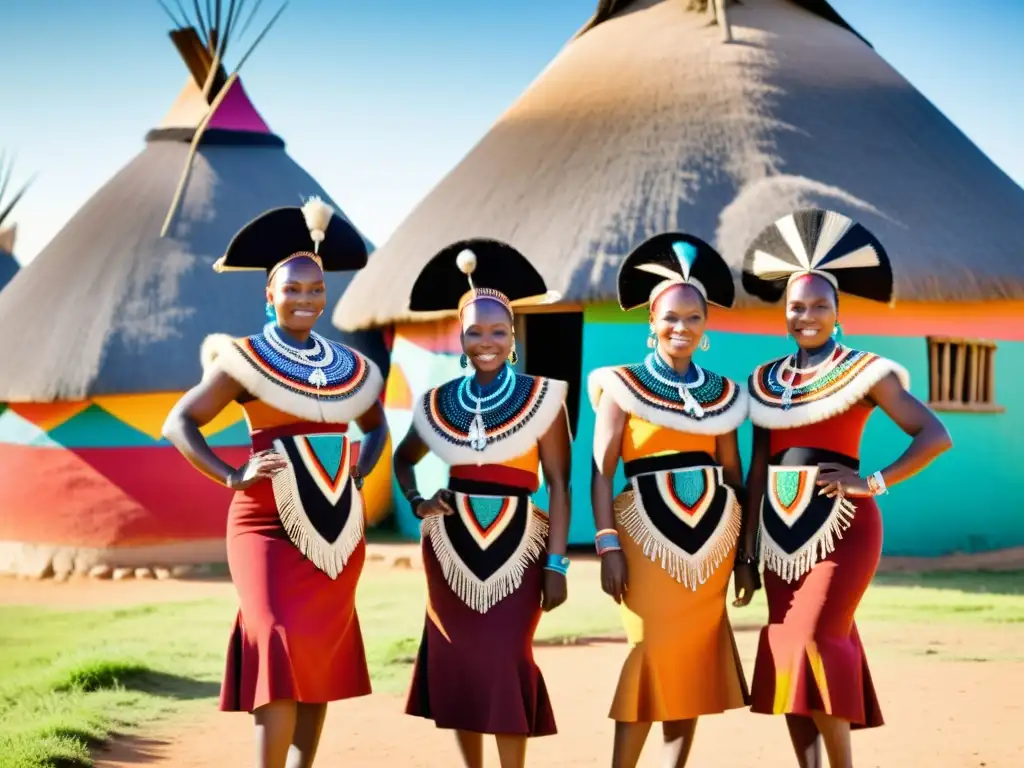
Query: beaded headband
<point x="298" y="255"/>
<point x="819" y="272"/>
<point x="476" y="294"/>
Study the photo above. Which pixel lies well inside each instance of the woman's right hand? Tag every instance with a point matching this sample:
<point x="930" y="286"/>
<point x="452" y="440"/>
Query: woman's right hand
<point x="260" y="466"/>
<point x="613" y="575"/>
<point x="438" y="504"/>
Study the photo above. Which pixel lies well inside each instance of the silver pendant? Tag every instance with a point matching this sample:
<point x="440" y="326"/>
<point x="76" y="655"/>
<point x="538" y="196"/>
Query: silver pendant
<point x="690" y="404"/>
<point x="317" y="378"/>
<point x="477" y="433"/>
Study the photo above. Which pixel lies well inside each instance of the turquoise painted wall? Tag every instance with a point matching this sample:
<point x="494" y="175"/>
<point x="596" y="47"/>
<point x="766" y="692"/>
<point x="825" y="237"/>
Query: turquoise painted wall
<point x="969" y="500"/>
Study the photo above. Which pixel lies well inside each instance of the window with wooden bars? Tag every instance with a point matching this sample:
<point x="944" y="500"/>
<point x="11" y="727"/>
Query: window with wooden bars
<point x="962" y="375"/>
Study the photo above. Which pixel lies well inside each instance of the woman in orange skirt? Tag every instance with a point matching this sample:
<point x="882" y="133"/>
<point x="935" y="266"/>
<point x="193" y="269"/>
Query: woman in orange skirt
<point x="821" y="530"/>
<point x="295" y="527"/>
<point x="668" y="542"/>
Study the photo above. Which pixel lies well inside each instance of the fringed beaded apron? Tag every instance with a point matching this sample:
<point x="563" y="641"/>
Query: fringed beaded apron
<point x="320" y="508"/>
<point x="799" y="527"/>
<point x="681" y="513"/>
<point x="495" y="534"/>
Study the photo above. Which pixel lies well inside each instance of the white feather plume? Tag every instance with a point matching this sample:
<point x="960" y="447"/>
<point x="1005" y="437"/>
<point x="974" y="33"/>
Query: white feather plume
<point x="318" y="215"/>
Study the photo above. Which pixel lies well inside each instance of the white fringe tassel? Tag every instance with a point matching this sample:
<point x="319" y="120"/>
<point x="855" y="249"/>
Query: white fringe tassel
<point x="482" y="595"/>
<point x="689" y="570"/>
<point x="791" y="567"/>
<point x="329" y="558"/>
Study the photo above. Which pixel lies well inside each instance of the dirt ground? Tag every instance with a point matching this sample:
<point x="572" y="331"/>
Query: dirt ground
<point x="955" y="714"/>
<point x="945" y="706"/>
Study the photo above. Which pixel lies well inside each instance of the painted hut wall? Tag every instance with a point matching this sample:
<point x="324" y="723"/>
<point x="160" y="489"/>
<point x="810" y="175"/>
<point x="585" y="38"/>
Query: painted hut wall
<point x="114" y="491"/>
<point x="923" y="516"/>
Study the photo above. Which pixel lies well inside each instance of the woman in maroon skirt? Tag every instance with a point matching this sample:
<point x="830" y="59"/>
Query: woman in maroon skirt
<point x="295" y="527"/>
<point x="493" y="560"/>
<point x="821" y="530"/>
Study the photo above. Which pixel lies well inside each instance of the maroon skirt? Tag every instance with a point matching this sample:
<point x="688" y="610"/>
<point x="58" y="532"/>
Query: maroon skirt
<point x="475" y="671"/>
<point x="810" y="657"/>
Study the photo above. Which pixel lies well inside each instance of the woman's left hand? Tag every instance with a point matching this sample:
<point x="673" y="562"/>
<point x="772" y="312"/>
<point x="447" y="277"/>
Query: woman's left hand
<point x="555" y="590"/>
<point x="840" y="479"/>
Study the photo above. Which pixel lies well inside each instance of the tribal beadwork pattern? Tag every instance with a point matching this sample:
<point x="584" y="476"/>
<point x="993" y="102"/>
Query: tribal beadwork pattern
<point x="686" y="518"/>
<point x="320" y="509"/>
<point x="777" y="402"/>
<point x="486" y="546"/>
<point x="722" y="405"/>
<point x="512" y="427"/>
<point x="333" y="371"/>
<point x="798" y="527"/>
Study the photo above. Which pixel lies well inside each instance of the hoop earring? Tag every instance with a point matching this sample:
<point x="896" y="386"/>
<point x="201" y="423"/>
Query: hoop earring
<point x="705" y="343"/>
<point x="270" y="312"/>
<point x="463" y="360"/>
<point x="652" y="340"/>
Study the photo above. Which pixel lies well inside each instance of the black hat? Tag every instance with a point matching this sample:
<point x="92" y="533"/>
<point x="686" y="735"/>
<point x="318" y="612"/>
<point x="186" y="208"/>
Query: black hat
<point x="491" y="268"/>
<point x="674" y="258"/>
<point x="314" y="231"/>
<point x="818" y="242"/>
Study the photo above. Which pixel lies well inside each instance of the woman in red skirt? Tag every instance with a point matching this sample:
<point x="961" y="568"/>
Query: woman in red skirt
<point x="821" y="530"/>
<point x="493" y="560"/>
<point x="295" y="527"/>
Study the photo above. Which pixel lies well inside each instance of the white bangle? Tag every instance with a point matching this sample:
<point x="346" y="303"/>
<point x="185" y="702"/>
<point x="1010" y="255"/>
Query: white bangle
<point x="879" y="484"/>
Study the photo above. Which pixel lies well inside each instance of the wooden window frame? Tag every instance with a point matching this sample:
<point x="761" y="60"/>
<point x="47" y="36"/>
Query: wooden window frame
<point x="947" y="378"/>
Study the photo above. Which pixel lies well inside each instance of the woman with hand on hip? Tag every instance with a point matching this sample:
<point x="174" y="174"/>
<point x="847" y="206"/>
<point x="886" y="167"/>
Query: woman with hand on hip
<point x="493" y="560"/>
<point x="295" y="526"/>
<point x="668" y="542"/>
<point x="821" y="530"/>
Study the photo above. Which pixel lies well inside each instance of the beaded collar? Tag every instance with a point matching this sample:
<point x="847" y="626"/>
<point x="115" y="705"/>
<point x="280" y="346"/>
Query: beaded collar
<point x="838" y="384"/>
<point x="513" y="421"/>
<point x="710" y="404"/>
<point x="328" y="382"/>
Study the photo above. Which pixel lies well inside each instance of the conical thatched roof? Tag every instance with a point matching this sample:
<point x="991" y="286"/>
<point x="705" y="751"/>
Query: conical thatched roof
<point x="111" y="307"/>
<point x="8" y="230"/>
<point x="648" y="121"/>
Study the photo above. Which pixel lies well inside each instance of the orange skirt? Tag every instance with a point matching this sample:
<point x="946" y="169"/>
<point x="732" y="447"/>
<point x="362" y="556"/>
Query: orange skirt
<point x="683" y="660"/>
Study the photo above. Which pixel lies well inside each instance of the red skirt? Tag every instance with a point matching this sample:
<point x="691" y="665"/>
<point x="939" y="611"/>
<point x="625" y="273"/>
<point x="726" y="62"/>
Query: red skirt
<point x="297" y="634"/>
<point x="810" y="657"/>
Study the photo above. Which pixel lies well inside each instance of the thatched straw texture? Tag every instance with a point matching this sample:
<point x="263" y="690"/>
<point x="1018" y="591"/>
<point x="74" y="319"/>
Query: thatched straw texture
<point x="649" y="122"/>
<point x="108" y="307"/>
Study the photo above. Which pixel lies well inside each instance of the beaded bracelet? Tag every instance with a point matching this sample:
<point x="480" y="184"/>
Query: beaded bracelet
<point x="557" y="563"/>
<point x="607" y="540"/>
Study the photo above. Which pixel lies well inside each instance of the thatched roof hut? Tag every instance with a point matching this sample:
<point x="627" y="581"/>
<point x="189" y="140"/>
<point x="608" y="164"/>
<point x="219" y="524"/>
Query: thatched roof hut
<point x="8" y="231"/>
<point x="648" y="121"/>
<point x="112" y="307"/>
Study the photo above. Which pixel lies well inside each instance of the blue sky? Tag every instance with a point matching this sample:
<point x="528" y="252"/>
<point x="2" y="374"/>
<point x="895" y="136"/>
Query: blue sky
<point x="379" y="99"/>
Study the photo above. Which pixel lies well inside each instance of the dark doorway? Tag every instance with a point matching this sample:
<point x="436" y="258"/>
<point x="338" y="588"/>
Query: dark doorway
<point x="551" y="344"/>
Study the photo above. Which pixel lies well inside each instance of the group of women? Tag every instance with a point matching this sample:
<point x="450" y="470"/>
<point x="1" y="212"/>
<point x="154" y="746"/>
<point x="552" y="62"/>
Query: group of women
<point x="494" y="562"/>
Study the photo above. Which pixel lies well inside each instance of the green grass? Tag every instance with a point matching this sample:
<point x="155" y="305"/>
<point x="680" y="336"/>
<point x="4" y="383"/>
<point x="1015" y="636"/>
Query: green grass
<point x="68" y="678"/>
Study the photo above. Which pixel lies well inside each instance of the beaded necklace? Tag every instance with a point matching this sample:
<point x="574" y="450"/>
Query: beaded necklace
<point x="815" y="371"/>
<point x="324" y="364"/>
<point x="667" y="376"/>
<point x="503" y="387"/>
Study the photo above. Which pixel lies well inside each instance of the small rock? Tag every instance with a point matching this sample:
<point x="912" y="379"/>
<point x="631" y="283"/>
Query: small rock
<point x="101" y="572"/>
<point x="120" y="574"/>
<point x="375" y="557"/>
<point x="143" y="573"/>
<point x="43" y="571"/>
<point x="162" y="573"/>
<point x="401" y="561"/>
<point x="181" y="571"/>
